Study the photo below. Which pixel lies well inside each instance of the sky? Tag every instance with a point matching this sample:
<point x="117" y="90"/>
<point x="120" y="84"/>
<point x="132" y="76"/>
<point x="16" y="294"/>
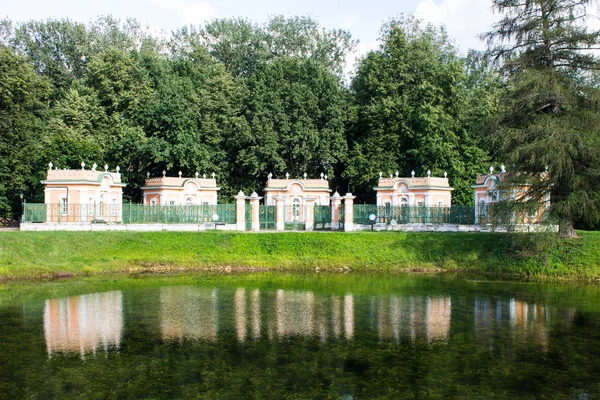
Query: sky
<point x="464" y="19"/>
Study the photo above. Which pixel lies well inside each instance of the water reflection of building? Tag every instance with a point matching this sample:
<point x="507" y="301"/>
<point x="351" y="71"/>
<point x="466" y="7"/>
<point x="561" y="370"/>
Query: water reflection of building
<point x="527" y="320"/>
<point x="195" y="313"/>
<point x="413" y="317"/>
<point x="189" y="313"/>
<point x="305" y="314"/>
<point x="84" y="324"/>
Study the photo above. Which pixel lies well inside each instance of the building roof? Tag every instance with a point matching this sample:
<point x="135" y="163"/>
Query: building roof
<point x="415" y="183"/>
<point x="166" y="182"/>
<point x="80" y="176"/>
<point x="307" y="184"/>
<point x="482" y="179"/>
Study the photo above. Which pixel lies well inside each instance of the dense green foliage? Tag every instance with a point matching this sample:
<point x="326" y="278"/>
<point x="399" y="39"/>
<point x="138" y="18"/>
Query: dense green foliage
<point x="549" y="119"/>
<point x="96" y="252"/>
<point x="414" y="111"/>
<point x="238" y="99"/>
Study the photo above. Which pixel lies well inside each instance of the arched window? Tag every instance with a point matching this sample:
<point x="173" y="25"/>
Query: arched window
<point x="404" y="202"/>
<point x="296" y="209"/>
<point x="101" y="206"/>
<point x="189" y="201"/>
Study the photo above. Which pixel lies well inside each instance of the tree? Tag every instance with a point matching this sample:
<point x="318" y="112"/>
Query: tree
<point x="241" y="45"/>
<point x="60" y="49"/>
<point x="76" y="129"/>
<point x="411" y="97"/>
<point x="295" y="112"/>
<point x="22" y="108"/>
<point x="189" y="119"/>
<point x="550" y="120"/>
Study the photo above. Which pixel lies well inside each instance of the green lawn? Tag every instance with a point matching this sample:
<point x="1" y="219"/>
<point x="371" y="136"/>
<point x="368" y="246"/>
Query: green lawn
<point x="47" y="254"/>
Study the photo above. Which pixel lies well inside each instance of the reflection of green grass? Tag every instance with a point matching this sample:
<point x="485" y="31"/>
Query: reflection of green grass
<point x="38" y="254"/>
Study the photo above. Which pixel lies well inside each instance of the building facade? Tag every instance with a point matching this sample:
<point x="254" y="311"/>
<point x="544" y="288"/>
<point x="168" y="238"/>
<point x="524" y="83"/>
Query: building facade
<point x="180" y="191"/>
<point x="414" y="192"/>
<point x="488" y="192"/>
<point x="297" y="195"/>
<point x="83" y="195"/>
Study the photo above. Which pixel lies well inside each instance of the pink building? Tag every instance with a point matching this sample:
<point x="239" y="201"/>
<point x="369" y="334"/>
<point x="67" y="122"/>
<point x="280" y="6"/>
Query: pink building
<point x="170" y="191"/>
<point x="414" y="192"/>
<point x="488" y="191"/>
<point x="296" y="194"/>
<point x="83" y="195"/>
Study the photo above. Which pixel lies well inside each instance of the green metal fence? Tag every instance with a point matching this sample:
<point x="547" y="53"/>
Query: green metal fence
<point x="367" y="214"/>
<point x="342" y="213"/>
<point x="65" y="212"/>
<point x="141" y="214"/>
<point x="129" y="213"/>
<point x="322" y="217"/>
<point x="34" y="212"/>
<point x="248" y="217"/>
<point x="267" y="217"/>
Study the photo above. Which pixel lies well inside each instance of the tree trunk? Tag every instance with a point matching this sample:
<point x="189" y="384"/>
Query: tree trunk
<point x="566" y="229"/>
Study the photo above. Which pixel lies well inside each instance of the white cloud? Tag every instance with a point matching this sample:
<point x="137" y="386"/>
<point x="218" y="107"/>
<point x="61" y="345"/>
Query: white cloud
<point x="190" y="12"/>
<point x="464" y="19"/>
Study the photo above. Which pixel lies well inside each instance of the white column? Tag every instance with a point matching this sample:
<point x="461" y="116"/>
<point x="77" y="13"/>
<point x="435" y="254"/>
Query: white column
<point x="280" y="211"/>
<point x="349" y="212"/>
<point x="476" y="208"/>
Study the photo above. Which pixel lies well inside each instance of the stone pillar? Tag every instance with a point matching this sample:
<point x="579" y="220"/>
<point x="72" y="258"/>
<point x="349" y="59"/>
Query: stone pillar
<point x="476" y="209"/>
<point x="254" y="202"/>
<point x="280" y="210"/>
<point x="309" y="219"/>
<point x="349" y="212"/>
<point x="336" y="201"/>
<point x="240" y="211"/>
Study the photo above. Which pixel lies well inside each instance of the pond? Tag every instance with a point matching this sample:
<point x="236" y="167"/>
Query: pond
<point x="344" y="336"/>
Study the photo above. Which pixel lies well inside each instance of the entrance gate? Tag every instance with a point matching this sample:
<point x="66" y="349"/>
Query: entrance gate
<point x="267" y="217"/>
<point x="248" y="217"/>
<point x="322" y="218"/>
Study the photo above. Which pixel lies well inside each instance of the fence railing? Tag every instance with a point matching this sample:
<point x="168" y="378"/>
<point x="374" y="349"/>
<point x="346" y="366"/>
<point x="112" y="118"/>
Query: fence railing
<point x="129" y="213"/>
<point x="367" y="214"/>
<point x="60" y="213"/>
<point x="267" y="216"/>
<point x="188" y="214"/>
<point x="322" y="217"/>
<point x="364" y="214"/>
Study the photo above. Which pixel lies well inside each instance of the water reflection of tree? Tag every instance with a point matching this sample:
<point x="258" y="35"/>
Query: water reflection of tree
<point x="189" y="313"/>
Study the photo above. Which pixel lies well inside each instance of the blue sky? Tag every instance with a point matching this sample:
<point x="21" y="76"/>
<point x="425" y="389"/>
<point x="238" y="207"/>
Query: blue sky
<point x="464" y="19"/>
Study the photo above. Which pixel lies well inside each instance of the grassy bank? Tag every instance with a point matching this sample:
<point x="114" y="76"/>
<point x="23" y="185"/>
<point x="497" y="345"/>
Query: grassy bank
<point x="47" y="254"/>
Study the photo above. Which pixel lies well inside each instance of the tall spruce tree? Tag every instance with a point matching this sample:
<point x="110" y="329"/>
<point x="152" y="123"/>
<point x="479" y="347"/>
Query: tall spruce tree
<point x="550" y="118"/>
